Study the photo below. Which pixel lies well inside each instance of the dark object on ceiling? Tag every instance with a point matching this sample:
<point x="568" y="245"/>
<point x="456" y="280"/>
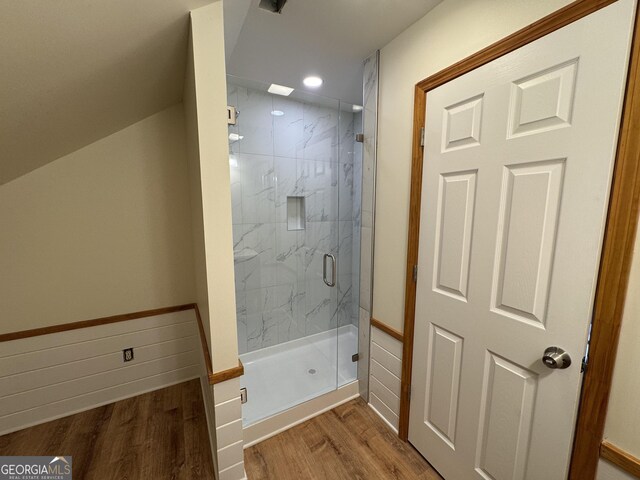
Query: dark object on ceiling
<point x="274" y="6"/>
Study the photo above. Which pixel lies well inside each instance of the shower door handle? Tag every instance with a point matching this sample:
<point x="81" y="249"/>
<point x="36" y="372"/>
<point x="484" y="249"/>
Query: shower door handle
<point x="332" y="282"/>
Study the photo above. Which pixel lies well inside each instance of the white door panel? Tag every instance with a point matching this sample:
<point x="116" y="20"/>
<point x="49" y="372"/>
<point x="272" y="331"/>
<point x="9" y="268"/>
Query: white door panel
<point x="517" y="170"/>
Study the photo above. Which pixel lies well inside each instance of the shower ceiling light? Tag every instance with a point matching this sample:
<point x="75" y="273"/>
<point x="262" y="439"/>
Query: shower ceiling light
<point x="277" y="113"/>
<point x="312" y="82"/>
<point x="280" y="89"/>
<point x="357" y="108"/>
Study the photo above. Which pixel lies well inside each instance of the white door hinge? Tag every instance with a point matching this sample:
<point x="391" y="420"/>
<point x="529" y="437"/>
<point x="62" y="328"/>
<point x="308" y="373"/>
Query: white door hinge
<point x="422" y="137"/>
<point x="232" y="115"/>
<point x="415" y="274"/>
<point x="243" y="395"/>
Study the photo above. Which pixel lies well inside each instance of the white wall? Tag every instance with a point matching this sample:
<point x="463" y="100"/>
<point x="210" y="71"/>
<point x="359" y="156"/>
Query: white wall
<point x="206" y="102"/>
<point x="102" y="231"/>
<point x="195" y="192"/>
<point x="452" y="31"/>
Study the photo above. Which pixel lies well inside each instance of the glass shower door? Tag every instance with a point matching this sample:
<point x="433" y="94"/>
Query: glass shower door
<point x="318" y="182"/>
<point x="284" y="163"/>
<point x="349" y="222"/>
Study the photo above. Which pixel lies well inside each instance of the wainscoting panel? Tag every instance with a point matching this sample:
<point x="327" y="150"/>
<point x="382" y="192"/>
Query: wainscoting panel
<point x="55" y="375"/>
<point x="609" y="471"/>
<point x="384" y="379"/>
<point x="229" y="434"/>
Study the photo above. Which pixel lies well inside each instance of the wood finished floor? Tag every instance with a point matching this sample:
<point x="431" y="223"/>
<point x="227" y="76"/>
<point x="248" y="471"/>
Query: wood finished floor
<point x="349" y="442"/>
<point x="158" y="435"/>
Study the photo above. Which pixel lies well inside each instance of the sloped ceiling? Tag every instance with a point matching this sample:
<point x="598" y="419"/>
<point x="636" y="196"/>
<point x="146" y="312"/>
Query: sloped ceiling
<point x="329" y="38"/>
<point x="74" y="71"/>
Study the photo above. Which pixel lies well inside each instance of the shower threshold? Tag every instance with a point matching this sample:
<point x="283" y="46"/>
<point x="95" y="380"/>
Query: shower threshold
<point x="280" y="377"/>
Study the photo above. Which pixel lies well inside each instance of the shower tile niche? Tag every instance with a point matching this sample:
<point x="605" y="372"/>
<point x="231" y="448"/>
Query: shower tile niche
<point x="295" y="213"/>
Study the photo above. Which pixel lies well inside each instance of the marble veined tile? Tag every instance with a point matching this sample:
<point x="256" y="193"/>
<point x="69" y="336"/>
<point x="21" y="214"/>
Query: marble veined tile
<point x="370" y="90"/>
<point x="365" y="268"/>
<point x="255" y="122"/>
<point x="347" y="137"/>
<point x="320" y="141"/>
<point x="262" y="330"/>
<point x="355" y="252"/>
<point x="288" y="183"/>
<point x="288" y="127"/>
<point x="258" y="188"/>
<point x="319" y="182"/>
<point x="241" y="318"/>
<point x="320" y="311"/>
<point x="254" y="256"/>
<point x="345" y="248"/>
<point x="232" y="100"/>
<point x="236" y="189"/>
<point x="319" y="238"/>
<point x="346" y="191"/>
<point x="345" y="299"/>
<point x="273" y="316"/>
<point x="288" y="253"/>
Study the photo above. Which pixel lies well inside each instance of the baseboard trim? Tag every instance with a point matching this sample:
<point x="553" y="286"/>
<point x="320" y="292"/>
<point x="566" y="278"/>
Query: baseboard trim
<point x="383" y="419"/>
<point x="280" y="422"/>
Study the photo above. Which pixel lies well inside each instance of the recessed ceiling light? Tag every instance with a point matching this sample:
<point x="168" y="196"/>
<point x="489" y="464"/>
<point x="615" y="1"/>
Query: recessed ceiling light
<point x="280" y="89"/>
<point x="234" y="137"/>
<point x="357" y="108"/>
<point x="312" y="82"/>
<point x="277" y="113"/>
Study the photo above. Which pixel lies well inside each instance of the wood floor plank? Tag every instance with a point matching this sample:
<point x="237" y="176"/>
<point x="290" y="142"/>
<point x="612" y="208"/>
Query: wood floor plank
<point x="159" y="435"/>
<point x="163" y="435"/>
<point x="349" y="442"/>
<point x="196" y="436"/>
<point x="369" y="447"/>
<point x="330" y="454"/>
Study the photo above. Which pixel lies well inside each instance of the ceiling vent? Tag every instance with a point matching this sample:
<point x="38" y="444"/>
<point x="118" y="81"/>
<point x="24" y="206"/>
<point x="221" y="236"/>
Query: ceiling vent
<point x="274" y="6"/>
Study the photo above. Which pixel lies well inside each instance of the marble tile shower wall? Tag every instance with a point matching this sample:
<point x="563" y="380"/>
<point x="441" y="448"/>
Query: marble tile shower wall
<point x="307" y="151"/>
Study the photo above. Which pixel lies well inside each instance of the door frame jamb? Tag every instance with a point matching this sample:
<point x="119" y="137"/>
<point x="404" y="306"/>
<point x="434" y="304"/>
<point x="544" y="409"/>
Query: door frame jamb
<point x="615" y="263"/>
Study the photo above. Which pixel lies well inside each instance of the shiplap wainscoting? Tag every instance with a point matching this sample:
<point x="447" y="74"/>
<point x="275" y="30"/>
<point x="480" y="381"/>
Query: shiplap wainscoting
<point x="209" y="409"/>
<point x="609" y="471"/>
<point x="59" y="374"/>
<point x="384" y="378"/>
<point x="229" y="437"/>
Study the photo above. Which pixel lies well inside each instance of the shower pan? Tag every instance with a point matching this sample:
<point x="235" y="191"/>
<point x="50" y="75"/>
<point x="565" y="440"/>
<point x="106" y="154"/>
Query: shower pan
<point x="296" y="174"/>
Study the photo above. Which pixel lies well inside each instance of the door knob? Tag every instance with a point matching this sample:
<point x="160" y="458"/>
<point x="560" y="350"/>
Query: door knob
<point x="555" y="357"/>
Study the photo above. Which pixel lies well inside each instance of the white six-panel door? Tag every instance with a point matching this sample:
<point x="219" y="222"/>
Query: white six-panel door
<point x="517" y="168"/>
